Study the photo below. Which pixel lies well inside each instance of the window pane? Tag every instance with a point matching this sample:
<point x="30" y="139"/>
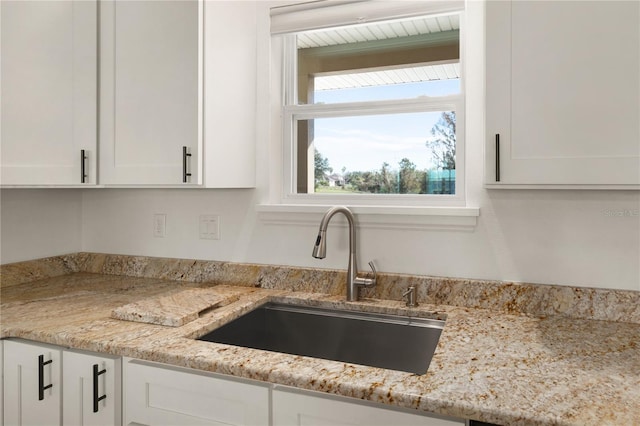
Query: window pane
<point x="405" y="153"/>
<point x="384" y="60"/>
<point x="331" y="90"/>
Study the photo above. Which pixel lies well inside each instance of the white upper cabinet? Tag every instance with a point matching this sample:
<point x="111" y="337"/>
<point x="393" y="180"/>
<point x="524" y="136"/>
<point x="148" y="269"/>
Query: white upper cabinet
<point x="162" y="66"/>
<point x="151" y="92"/>
<point x="48" y="92"/>
<point x="230" y="94"/>
<point x="563" y="94"/>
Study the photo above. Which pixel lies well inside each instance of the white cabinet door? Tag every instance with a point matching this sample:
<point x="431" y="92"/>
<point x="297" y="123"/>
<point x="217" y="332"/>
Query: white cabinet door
<point x="91" y="389"/>
<point x="299" y="408"/>
<point x="32" y="384"/>
<point x="1" y="382"/>
<point x="157" y="394"/>
<point x="150" y="92"/>
<point x="562" y="84"/>
<point x="230" y="38"/>
<point x="48" y="92"/>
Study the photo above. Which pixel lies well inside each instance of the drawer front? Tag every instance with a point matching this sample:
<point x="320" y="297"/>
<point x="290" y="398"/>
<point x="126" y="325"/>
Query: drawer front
<point x="157" y="394"/>
<point x="299" y="408"/>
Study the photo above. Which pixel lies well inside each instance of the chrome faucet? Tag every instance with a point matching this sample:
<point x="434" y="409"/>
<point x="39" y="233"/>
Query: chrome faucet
<point x="354" y="282"/>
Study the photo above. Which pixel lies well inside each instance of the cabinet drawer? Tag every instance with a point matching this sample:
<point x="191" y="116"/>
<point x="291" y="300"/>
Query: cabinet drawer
<point x="293" y="407"/>
<point x="160" y="394"/>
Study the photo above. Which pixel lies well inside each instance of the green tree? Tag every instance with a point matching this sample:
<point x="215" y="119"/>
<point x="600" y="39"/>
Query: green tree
<point x="386" y="180"/>
<point x="321" y="168"/>
<point x="443" y="144"/>
<point x="368" y="182"/>
<point x="409" y="178"/>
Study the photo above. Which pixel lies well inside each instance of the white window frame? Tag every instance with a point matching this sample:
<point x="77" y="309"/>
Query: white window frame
<point x="291" y="113"/>
<point x="427" y="210"/>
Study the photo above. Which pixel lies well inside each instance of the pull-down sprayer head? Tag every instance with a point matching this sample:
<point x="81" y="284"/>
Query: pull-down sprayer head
<point x="320" y="248"/>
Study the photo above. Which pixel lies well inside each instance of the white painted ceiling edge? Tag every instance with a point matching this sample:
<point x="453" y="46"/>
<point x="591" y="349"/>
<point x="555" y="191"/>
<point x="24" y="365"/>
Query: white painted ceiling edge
<point x="316" y="15"/>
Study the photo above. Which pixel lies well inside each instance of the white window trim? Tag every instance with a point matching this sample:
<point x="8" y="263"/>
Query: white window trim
<point x="375" y="216"/>
<point x="304" y="16"/>
<point x="404" y="211"/>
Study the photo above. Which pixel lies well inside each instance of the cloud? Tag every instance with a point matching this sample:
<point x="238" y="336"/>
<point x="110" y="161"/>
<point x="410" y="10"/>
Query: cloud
<point x="362" y="143"/>
<point x="360" y="150"/>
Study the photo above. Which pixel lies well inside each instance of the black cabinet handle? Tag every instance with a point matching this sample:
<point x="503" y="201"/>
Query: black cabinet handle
<point x="96" y="399"/>
<point x="41" y="386"/>
<point x="185" y="154"/>
<point x="497" y="157"/>
<point x="83" y="170"/>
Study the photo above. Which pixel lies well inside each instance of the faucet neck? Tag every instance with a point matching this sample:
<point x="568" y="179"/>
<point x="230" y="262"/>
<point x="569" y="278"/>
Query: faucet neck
<point x="350" y="219"/>
<point x="353" y="282"/>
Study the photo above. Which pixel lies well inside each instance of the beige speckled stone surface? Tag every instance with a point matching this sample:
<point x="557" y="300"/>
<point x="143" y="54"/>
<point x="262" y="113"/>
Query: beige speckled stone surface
<point x="173" y="310"/>
<point x="490" y="364"/>
<point x="533" y="299"/>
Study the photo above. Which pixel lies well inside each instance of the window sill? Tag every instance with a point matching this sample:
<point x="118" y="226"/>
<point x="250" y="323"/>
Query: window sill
<point x="385" y="217"/>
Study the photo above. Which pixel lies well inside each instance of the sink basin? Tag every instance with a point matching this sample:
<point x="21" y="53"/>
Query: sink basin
<point x="377" y="340"/>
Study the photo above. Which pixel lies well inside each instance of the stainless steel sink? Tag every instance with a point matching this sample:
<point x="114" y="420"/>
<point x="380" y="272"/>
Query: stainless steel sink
<point x="377" y="340"/>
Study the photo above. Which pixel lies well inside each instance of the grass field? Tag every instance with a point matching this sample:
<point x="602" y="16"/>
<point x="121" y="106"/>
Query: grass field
<point x="335" y="190"/>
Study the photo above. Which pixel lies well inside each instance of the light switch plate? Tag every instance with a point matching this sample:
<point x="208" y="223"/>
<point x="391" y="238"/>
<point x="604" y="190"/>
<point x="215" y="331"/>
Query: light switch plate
<point x="159" y="225"/>
<point x="209" y="227"/>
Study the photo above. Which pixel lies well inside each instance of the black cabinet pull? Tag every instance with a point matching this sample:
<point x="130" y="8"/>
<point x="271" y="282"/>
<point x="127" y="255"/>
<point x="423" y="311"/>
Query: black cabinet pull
<point x="497" y="157"/>
<point x="185" y="154"/>
<point x="83" y="170"/>
<point x="96" y="399"/>
<point x="41" y="386"/>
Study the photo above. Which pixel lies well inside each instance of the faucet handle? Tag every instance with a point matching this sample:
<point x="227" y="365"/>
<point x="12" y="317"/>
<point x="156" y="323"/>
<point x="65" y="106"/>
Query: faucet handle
<point x="373" y="268"/>
<point x="366" y="281"/>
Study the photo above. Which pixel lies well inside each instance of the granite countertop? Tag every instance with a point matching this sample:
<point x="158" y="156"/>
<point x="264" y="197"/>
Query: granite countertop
<point x="490" y="365"/>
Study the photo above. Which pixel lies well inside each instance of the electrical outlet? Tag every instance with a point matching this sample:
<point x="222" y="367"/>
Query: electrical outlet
<point x="209" y="227"/>
<point x="159" y="225"/>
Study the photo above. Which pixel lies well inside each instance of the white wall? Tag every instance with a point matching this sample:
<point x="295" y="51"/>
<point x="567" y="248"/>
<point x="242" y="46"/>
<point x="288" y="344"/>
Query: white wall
<point x="36" y="223"/>
<point x="557" y="237"/>
<point x="121" y="221"/>
<point x="562" y="237"/>
<point x="554" y="237"/>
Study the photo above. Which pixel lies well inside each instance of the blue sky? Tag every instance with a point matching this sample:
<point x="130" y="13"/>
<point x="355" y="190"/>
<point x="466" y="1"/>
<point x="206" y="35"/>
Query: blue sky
<point x="365" y="142"/>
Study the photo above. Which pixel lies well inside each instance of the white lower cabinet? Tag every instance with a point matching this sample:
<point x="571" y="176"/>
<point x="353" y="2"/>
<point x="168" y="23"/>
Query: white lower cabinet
<point x="48" y="385"/>
<point x="303" y="408"/>
<point x="32" y="383"/>
<point x="1" y="382"/>
<point x="158" y="394"/>
<point x="92" y="389"/>
<point x="33" y="390"/>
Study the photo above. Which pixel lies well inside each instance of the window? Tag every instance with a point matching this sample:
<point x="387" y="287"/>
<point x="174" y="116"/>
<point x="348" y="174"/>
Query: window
<point x="373" y="112"/>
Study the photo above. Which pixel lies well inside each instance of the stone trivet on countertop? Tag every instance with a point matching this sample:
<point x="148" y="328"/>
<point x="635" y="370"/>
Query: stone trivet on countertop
<point x="173" y="310"/>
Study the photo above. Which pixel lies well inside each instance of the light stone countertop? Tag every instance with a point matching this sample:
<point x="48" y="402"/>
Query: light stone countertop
<point x="494" y="366"/>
